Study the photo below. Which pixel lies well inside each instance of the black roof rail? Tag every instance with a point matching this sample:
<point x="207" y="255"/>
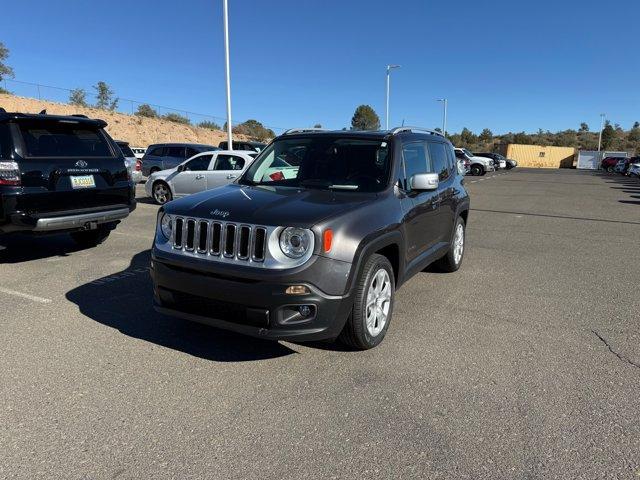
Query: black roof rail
<point x="79" y="115"/>
<point x="397" y="130"/>
<point x="43" y="112"/>
<point x="2" y="110"/>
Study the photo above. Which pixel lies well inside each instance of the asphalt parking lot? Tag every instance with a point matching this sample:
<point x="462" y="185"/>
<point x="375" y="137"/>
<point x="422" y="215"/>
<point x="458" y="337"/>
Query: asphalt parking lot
<point x="524" y="364"/>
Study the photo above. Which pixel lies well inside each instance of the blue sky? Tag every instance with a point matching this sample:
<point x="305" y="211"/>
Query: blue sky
<point x="505" y="65"/>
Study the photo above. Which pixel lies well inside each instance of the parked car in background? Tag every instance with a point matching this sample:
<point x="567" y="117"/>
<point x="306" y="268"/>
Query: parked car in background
<point x="203" y="171"/>
<point x="477" y="165"/>
<point x="624" y="163"/>
<point x="139" y="152"/>
<point x="243" y="145"/>
<point x="609" y="163"/>
<point x="61" y="174"/>
<point x="133" y="164"/>
<point x="503" y="161"/>
<point x="634" y="168"/>
<point x="318" y="252"/>
<point x="163" y="156"/>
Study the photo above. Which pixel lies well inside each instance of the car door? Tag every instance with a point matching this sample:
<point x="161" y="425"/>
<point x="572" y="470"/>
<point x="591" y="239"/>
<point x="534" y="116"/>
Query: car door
<point x="192" y="178"/>
<point x="174" y="156"/>
<point x="225" y="169"/>
<point x="442" y="163"/>
<point x="421" y="229"/>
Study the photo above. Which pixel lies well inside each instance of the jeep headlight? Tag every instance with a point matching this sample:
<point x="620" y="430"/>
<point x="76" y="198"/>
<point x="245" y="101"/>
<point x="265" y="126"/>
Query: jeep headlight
<point x="295" y="242"/>
<point x="165" y="225"/>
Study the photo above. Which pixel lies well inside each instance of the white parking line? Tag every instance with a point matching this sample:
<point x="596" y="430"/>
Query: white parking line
<point x="33" y="298"/>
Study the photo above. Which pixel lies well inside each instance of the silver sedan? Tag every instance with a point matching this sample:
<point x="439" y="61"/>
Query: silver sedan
<point x="203" y="171"/>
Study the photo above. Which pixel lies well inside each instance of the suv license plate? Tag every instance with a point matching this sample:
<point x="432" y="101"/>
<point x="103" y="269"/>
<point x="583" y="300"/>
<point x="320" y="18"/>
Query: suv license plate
<point x="85" y="181"/>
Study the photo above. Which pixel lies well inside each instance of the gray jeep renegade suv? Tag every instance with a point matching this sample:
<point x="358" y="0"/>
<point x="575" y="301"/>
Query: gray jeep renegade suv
<point x="314" y="239"/>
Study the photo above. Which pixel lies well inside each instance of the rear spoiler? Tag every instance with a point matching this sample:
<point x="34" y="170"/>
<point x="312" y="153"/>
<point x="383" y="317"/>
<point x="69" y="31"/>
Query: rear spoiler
<point x="76" y="118"/>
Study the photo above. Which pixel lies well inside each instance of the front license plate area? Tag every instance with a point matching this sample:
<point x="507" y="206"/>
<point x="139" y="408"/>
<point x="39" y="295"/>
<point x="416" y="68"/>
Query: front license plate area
<point x="83" y="181"/>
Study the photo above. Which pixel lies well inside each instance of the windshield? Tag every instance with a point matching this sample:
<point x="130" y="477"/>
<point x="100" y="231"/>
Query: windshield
<point x="468" y="153"/>
<point x="324" y="162"/>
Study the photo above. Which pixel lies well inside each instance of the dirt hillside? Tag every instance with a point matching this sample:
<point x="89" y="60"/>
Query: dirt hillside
<point x="138" y="131"/>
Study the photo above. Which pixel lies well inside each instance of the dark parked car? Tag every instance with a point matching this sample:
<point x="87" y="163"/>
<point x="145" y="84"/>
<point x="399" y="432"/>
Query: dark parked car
<point x="61" y="174"/>
<point x="244" y="145"/>
<point x="313" y="240"/>
<point x="496" y="157"/>
<point x="609" y="163"/>
<point x="163" y="156"/>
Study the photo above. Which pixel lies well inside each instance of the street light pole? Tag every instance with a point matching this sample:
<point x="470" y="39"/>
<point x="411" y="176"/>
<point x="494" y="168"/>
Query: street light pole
<point x="389" y="67"/>
<point x="602" y="117"/>
<point x="225" y="9"/>
<point x="444" y="116"/>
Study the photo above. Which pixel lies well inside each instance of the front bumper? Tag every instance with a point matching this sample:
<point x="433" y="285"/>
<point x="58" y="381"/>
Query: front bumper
<point x="254" y="303"/>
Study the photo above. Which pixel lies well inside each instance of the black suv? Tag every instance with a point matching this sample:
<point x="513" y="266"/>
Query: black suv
<point x="61" y="173"/>
<point x="313" y="240"/>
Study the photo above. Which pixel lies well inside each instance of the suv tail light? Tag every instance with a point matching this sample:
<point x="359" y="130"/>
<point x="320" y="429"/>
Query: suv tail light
<point x="138" y="166"/>
<point x="9" y="173"/>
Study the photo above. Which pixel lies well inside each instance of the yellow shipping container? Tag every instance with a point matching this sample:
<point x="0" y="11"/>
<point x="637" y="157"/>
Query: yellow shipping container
<point x="538" y="156"/>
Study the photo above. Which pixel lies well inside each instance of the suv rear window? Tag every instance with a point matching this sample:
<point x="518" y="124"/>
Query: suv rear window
<point x="63" y="140"/>
<point x="126" y="150"/>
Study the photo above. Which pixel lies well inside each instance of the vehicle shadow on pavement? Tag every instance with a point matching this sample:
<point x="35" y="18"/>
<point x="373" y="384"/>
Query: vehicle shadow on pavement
<point x="124" y="301"/>
<point x="23" y="248"/>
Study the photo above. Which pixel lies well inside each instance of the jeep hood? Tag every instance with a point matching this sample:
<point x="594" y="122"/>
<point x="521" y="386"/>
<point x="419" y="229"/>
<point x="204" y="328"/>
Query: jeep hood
<point x="269" y="206"/>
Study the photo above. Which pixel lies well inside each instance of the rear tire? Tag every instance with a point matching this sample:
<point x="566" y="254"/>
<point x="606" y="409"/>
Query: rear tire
<point x="161" y="192"/>
<point x="373" y="305"/>
<point x="91" y="238"/>
<point x="453" y="259"/>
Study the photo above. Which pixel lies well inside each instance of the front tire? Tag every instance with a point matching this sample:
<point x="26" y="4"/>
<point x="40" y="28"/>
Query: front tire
<point x="91" y="238"/>
<point x="373" y="305"/>
<point x="161" y="193"/>
<point x="453" y="259"/>
<point x="477" y="170"/>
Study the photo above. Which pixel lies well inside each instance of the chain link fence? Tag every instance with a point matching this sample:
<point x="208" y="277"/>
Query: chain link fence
<point x="125" y="105"/>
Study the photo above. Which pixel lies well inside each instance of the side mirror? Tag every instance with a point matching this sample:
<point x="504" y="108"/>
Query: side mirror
<point x="180" y="168"/>
<point x="424" y="181"/>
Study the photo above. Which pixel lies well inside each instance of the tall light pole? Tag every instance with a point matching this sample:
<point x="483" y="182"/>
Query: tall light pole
<point x="389" y="67"/>
<point x="602" y="117"/>
<point x="225" y="9"/>
<point x="444" y="116"/>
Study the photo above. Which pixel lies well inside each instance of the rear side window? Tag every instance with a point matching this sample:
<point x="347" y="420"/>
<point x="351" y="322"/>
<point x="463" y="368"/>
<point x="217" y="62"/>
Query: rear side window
<point x="440" y="162"/>
<point x="229" y="162"/>
<point x="175" y="152"/>
<point x="5" y="149"/>
<point x="415" y="159"/>
<point x="63" y="140"/>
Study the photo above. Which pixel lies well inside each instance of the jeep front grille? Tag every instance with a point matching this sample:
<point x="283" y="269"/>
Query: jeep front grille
<point x="245" y="243"/>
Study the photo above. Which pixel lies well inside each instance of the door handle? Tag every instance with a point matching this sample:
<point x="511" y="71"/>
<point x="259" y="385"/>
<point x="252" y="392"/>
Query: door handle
<point x="199" y="177"/>
<point x="230" y="176"/>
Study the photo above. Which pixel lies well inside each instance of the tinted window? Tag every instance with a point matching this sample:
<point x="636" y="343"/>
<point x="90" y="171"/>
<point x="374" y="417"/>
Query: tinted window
<point x="126" y="151"/>
<point x="229" y="162"/>
<point x="439" y="160"/>
<point x="191" y="152"/>
<point x="63" y="140"/>
<point x="460" y="155"/>
<point x="158" y="152"/>
<point x="198" y="164"/>
<point x="416" y="160"/>
<point x="175" y="152"/>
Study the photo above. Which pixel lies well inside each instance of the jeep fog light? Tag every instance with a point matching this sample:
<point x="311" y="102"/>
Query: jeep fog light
<point x="297" y="290"/>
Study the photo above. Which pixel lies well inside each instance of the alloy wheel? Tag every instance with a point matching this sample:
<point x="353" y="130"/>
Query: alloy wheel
<point x="378" y="302"/>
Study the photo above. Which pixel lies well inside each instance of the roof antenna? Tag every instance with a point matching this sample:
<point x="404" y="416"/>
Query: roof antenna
<point x="43" y="112"/>
<point x="402" y="123"/>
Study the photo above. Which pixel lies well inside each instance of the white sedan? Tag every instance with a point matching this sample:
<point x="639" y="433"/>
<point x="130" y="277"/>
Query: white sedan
<point x="203" y="171"/>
